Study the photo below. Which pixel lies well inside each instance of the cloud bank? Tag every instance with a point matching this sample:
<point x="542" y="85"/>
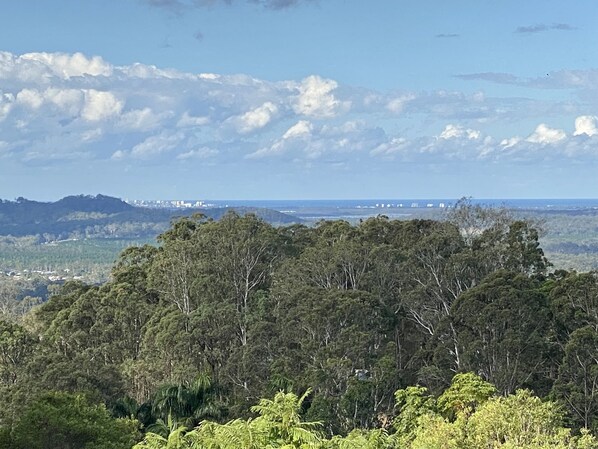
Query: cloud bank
<point x="58" y="108"/>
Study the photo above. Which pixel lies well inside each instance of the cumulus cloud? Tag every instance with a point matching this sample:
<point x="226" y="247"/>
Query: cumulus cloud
<point x="510" y="142"/>
<point x="57" y="107"/>
<point x="545" y="135"/>
<point x="256" y="118"/>
<point x="396" y="145"/>
<point x="457" y="142"/>
<point x="30" y="98"/>
<point x="100" y="105"/>
<point x="6" y="103"/>
<point x="296" y="137"/>
<point x="199" y="153"/>
<point x="306" y="141"/>
<point x="65" y="65"/>
<point x="300" y="129"/>
<point x="399" y="103"/>
<point x="189" y="121"/>
<point x="156" y="145"/>
<point x="316" y="98"/>
<point x="142" y="119"/>
<point x="69" y="101"/>
<point x="456" y="131"/>
<point x="586" y="124"/>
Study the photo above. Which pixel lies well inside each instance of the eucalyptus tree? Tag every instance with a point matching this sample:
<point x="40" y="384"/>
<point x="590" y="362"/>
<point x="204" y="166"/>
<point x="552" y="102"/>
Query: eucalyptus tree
<point x="574" y="303"/>
<point x="577" y="382"/>
<point x="9" y="298"/>
<point x="16" y="348"/>
<point x="446" y="259"/>
<point x="503" y="326"/>
<point x="212" y="278"/>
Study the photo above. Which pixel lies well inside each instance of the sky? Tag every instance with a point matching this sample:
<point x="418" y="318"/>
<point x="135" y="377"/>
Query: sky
<point x="299" y="99"/>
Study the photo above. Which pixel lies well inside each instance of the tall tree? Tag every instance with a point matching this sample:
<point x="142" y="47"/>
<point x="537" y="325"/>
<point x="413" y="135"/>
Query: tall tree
<point x="503" y="326"/>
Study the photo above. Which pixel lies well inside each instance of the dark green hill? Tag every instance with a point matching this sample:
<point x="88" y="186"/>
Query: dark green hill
<point x="100" y="216"/>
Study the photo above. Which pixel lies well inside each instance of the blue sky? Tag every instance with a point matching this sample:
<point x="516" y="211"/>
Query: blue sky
<point x="284" y="99"/>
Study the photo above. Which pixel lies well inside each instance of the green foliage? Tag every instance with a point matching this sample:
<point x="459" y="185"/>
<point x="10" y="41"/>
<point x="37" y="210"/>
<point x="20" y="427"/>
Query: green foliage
<point x="466" y="392"/>
<point x="577" y="383"/>
<point x="279" y="425"/>
<point x="514" y="349"/>
<point x="574" y="302"/>
<point x="187" y="404"/>
<point x="362" y="439"/>
<point x="64" y="421"/>
<point x="412" y="404"/>
<point x="353" y="312"/>
<point x="517" y="421"/>
<point x="16" y="348"/>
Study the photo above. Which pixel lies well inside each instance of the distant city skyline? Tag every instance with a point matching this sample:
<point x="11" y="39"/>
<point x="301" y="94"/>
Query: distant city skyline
<point x="292" y="99"/>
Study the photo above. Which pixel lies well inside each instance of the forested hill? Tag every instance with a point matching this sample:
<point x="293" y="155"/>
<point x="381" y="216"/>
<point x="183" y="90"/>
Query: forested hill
<point x="103" y="216"/>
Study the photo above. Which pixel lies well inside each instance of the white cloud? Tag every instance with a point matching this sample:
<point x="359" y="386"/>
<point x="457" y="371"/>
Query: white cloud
<point x="316" y="99"/>
<point x="256" y="118"/>
<point x="56" y="106"/>
<point x="510" y="142"/>
<point x="302" y="128"/>
<point x="66" y="65"/>
<point x="456" y="131"/>
<point x="6" y="104"/>
<point x="305" y="141"/>
<point x="399" y="103"/>
<point x="144" y="71"/>
<point x="545" y="135"/>
<point x="141" y="119"/>
<point x="277" y="148"/>
<point x="156" y="145"/>
<point x="199" y="153"/>
<point x="394" y="146"/>
<point x="586" y="124"/>
<point x="100" y="105"/>
<point x="189" y="121"/>
<point x="30" y="98"/>
<point x="68" y="100"/>
<point x="91" y="135"/>
<point x="295" y="138"/>
<point x="118" y="155"/>
<point x="209" y="76"/>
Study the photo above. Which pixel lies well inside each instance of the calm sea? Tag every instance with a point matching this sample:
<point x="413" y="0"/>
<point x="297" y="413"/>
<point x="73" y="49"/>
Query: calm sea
<point x="407" y="203"/>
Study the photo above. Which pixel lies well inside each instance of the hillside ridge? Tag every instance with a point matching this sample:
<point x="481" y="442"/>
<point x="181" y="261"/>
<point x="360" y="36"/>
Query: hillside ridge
<point x="97" y="216"/>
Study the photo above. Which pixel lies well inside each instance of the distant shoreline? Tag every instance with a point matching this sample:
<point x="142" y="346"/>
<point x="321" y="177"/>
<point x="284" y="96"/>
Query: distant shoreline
<point x="411" y="203"/>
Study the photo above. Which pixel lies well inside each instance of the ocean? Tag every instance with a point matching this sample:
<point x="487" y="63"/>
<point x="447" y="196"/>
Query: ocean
<point x="407" y="203"/>
<point x="354" y="210"/>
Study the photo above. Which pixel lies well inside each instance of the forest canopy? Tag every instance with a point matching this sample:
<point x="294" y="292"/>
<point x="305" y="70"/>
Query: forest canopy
<point x="363" y="333"/>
